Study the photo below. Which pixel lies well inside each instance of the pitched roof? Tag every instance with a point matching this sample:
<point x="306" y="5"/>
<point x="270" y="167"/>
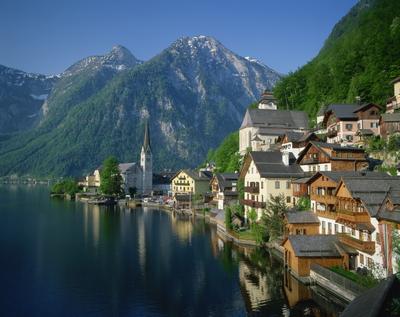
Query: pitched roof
<point x="337" y="175"/>
<point x="365" y="105"/>
<point x="226" y="180"/>
<point x="314" y="245"/>
<point x="269" y="164"/>
<point x="372" y="191"/>
<point x="391" y="117"/>
<point x="146" y="141"/>
<point x="196" y="175"/>
<point x="123" y="167"/>
<point x="375" y="301"/>
<point x="342" y="111"/>
<point x="287" y="119"/>
<point x="302" y="217"/>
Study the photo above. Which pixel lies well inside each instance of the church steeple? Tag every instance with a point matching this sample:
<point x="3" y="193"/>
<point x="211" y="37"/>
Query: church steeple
<point x="146" y="141"/>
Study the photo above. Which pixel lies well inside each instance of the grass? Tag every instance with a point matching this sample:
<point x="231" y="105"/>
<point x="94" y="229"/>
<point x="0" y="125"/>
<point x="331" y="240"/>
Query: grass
<point x="367" y="281"/>
<point x="246" y="235"/>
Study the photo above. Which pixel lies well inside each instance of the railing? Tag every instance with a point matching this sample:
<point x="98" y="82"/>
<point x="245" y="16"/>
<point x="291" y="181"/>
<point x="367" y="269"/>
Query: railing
<point x="326" y="199"/>
<point x="358" y="217"/>
<point x="252" y="189"/>
<point x="364" y="246"/>
<point x="338" y="279"/>
<point x="312" y="160"/>
<point x="327" y="214"/>
<point x="252" y="203"/>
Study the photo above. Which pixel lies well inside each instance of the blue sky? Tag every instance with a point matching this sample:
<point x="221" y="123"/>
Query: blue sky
<point x="47" y="36"/>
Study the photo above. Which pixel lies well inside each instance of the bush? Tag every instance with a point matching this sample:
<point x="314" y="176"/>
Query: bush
<point x="67" y="186"/>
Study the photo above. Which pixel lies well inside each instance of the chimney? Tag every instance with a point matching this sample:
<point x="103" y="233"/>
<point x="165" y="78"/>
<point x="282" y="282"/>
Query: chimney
<point x="285" y="158"/>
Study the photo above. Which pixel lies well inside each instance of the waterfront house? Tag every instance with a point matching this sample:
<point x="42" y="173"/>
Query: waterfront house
<point x="262" y="126"/>
<point x="162" y="183"/>
<point x="300" y="251"/>
<point x="265" y="174"/>
<point x="319" y="156"/>
<point x="301" y="222"/>
<point x="344" y="122"/>
<point x="224" y="189"/>
<point x="190" y="182"/>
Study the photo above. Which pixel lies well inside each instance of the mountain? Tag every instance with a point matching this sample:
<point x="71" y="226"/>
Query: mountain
<point x="359" y="58"/>
<point x="193" y="94"/>
<point x="21" y="98"/>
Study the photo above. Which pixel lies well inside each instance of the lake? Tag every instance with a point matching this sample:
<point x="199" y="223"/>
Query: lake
<point x="63" y="258"/>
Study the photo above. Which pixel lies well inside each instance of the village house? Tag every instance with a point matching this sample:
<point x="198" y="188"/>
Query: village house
<point x="348" y="124"/>
<point x="301" y="222"/>
<point x="262" y="126"/>
<point x="224" y="189"/>
<point x="318" y="156"/>
<point x="295" y="142"/>
<point x="390" y="121"/>
<point x="393" y="103"/>
<point x="301" y="251"/>
<point x="300" y="189"/>
<point x="191" y="182"/>
<point x="347" y="205"/>
<point x="265" y="174"/>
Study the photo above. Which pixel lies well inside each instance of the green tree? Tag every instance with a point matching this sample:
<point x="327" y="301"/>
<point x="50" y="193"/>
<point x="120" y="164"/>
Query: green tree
<point x="273" y="217"/>
<point x="228" y="218"/>
<point x="304" y="203"/>
<point x="67" y="186"/>
<point x="111" y="179"/>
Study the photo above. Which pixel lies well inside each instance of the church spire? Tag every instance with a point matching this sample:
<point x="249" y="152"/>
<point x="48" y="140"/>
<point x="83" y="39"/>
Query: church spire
<point x="146" y="141"/>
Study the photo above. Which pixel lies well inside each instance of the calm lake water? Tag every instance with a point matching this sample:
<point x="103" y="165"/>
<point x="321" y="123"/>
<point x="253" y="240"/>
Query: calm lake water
<point x="61" y="258"/>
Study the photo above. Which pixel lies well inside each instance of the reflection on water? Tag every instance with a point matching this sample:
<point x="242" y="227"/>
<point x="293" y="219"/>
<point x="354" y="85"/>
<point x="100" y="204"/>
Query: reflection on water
<point x="73" y="259"/>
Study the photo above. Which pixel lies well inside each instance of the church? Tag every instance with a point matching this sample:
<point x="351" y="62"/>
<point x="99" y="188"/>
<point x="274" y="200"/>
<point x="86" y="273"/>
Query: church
<point x="136" y="177"/>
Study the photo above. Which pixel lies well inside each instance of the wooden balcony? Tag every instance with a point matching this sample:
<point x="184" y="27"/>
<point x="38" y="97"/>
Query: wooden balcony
<point x="252" y="189"/>
<point x="252" y="203"/>
<point x="327" y="214"/>
<point x="310" y="160"/>
<point x="324" y="199"/>
<point x="363" y="246"/>
<point x="350" y="216"/>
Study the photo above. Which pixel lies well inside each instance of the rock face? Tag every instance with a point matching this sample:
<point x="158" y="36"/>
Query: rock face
<point x="193" y="93"/>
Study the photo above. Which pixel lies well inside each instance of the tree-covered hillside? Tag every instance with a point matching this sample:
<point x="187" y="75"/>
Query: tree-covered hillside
<point x="360" y="58"/>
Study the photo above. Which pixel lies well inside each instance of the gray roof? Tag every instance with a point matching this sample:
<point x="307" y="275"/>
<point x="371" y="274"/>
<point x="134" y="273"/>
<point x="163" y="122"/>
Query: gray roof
<point x="391" y="117"/>
<point x="337" y="175"/>
<point x="197" y="175"/>
<point x="343" y="111"/>
<point x="302" y="217"/>
<point x="375" y="301"/>
<point x="124" y="167"/>
<point x="269" y="164"/>
<point x="315" y="245"/>
<point x="286" y="119"/>
<point x="372" y="191"/>
<point x="226" y="180"/>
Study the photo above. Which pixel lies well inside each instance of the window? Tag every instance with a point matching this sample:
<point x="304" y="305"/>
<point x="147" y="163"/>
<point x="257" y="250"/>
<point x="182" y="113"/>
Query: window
<point x="323" y="227"/>
<point x="288" y="185"/>
<point x="377" y="238"/>
<point x="336" y="228"/>
<point x="262" y="185"/>
<point x="326" y="167"/>
<point x="288" y="199"/>
<point x="353" y="232"/>
<point x="343" y="229"/>
<point x="277" y="185"/>
<point x="362" y="259"/>
<point x="329" y="228"/>
<point x="374" y="124"/>
<point x="349" y="127"/>
<point x="370" y="263"/>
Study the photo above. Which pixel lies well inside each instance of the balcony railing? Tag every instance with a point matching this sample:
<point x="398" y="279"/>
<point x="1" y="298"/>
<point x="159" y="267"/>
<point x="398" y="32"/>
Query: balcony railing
<point x="364" y="246"/>
<point x="325" y="199"/>
<point x="310" y="160"/>
<point x="358" y="217"/>
<point x="252" y="203"/>
<point x="252" y="189"/>
<point x="327" y="214"/>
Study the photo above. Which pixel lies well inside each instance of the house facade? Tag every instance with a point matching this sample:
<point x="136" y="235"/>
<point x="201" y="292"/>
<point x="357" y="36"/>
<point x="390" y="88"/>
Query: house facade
<point x="345" y="123"/>
<point x="265" y="174"/>
<point x="261" y="127"/>
<point x="295" y="142"/>
<point x="318" y="156"/>
<point x="190" y="182"/>
<point x="224" y="188"/>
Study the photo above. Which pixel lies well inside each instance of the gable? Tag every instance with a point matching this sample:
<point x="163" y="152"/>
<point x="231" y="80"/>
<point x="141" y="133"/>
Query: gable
<point x="343" y="191"/>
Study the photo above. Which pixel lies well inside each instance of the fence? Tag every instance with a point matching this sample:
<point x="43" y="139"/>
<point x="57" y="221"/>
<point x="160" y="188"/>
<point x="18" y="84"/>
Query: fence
<point x="338" y="279"/>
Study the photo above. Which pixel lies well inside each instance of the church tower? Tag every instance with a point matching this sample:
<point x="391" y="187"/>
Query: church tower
<point x="146" y="162"/>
